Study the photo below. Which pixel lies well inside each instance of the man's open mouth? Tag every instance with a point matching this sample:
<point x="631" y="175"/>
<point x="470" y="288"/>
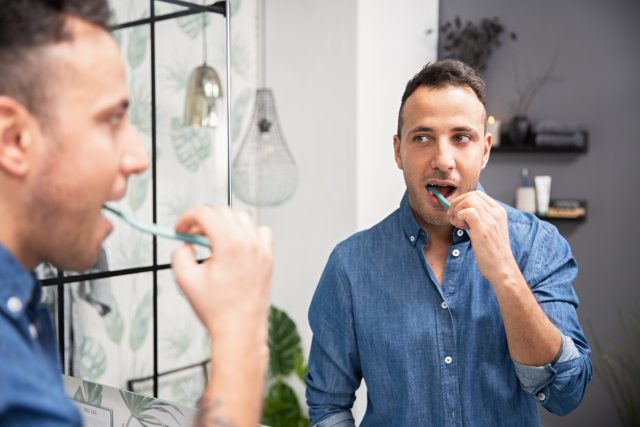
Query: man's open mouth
<point x="445" y="189"/>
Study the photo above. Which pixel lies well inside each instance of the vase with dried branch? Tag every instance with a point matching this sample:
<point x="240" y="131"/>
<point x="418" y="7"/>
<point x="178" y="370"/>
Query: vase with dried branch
<point x="519" y="127"/>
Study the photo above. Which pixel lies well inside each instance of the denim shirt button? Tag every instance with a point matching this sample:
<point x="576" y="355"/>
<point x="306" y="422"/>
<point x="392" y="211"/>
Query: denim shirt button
<point x="455" y="252"/>
<point x="541" y="396"/>
<point x="448" y="360"/>
<point x="14" y="305"/>
<point x="444" y="305"/>
<point x="33" y="330"/>
<point x="412" y="238"/>
<point x="460" y="233"/>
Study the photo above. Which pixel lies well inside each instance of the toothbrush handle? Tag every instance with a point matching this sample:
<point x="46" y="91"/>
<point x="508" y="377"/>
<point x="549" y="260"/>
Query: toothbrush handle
<point x="195" y="240"/>
<point x="187" y="238"/>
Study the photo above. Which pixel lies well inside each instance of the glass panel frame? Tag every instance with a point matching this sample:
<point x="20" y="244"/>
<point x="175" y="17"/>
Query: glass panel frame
<point x="136" y="30"/>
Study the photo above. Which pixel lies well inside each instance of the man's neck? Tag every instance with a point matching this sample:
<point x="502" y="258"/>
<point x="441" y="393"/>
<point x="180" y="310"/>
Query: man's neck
<point x="10" y="233"/>
<point x="438" y="234"/>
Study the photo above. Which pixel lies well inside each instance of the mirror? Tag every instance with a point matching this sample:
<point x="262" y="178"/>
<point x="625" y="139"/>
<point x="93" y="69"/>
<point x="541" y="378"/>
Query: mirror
<point x="125" y="323"/>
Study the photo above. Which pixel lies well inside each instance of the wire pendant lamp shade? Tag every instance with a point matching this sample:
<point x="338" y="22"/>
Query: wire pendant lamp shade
<point x="264" y="172"/>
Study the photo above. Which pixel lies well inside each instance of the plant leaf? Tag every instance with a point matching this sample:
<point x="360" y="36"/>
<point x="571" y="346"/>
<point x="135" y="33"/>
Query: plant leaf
<point x="114" y="324"/>
<point x="192" y="25"/>
<point x="192" y="145"/>
<point x="284" y="343"/>
<point x="140" y="108"/>
<point x="140" y="322"/>
<point x="281" y="407"/>
<point x="78" y="395"/>
<point x="93" y="362"/>
<point x="137" y="48"/>
<point x="140" y="406"/>
<point x="300" y="366"/>
<point x="94" y="393"/>
<point x="138" y="186"/>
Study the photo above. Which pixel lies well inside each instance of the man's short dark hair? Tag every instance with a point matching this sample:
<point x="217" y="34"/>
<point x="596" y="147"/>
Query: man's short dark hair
<point x="26" y="28"/>
<point x="440" y="74"/>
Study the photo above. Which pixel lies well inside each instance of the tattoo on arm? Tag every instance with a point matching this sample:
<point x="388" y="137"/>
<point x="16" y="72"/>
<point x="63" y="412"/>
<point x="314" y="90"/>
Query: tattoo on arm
<point x="208" y="415"/>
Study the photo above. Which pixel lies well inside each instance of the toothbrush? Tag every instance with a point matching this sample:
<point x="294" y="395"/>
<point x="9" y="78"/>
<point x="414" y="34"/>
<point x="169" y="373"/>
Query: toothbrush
<point x="156" y="230"/>
<point x="443" y="201"/>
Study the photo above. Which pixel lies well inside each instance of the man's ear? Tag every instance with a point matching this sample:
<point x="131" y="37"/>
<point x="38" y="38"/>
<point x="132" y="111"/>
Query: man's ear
<point x="396" y="151"/>
<point x="487" y="143"/>
<point x="16" y="137"/>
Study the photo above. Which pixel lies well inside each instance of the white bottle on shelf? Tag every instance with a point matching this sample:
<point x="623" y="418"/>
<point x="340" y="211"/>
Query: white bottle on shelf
<point x="526" y="194"/>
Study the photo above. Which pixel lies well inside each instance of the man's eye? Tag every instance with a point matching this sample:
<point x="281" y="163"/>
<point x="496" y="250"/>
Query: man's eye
<point x="462" y="138"/>
<point x="116" y="119"/>
<point x="421" y="139"/>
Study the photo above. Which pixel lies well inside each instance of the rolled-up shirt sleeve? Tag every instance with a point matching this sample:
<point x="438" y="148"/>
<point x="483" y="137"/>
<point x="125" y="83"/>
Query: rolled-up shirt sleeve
<point x="334" y="367"/>
<point x="550" y="272"/>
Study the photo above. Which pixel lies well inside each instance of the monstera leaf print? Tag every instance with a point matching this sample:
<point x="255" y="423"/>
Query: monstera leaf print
<point x="138" y="187"/>
<point x="114" y="324"/>
<point x="192" y="25"/>
<point x="93" y="362"/>
<point x="90" y="393"/>
<point x="137" y="47"/>
<point x="140" y="108"/>
<point x="140" y="322"/>
<point x="192" y="145"/>
<point x="142" y="409"/>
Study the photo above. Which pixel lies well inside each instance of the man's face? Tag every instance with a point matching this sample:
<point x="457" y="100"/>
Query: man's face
<point x="88" y="150"/>
<point x="442" y="143"/>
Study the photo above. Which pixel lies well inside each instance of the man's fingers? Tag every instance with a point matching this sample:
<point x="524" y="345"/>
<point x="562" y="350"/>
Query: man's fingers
<point x="265" y="235"/>
<point x="218" y="224"/>
<point x="469" y="217"/>
<point x="245" y="222"/>
<point x="184" y="264"/>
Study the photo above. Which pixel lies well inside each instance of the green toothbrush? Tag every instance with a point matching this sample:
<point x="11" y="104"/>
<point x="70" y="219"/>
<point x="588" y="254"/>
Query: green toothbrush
<point x="156" y="230"/>
<point x="443" y="201"/>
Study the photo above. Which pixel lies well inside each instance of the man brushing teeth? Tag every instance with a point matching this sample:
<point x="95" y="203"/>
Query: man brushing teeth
<point x="447" y="327"/>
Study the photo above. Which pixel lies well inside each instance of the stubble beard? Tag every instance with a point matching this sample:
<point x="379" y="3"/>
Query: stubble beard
<point x="59" y="232"/>
<point x="418" y="200"/>
<point x="426" y="213"/>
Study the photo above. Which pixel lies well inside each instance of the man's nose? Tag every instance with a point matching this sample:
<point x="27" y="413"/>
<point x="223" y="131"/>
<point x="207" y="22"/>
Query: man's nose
<point x="135" y="159"/>
<point x="443" y="158"/>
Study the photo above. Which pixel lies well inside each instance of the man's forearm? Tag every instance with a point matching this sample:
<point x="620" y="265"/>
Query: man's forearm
<point x="233" y="397"/>
<point x="532" y="338"/>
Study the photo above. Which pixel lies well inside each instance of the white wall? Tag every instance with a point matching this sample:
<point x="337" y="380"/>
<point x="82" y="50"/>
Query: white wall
<point x="311" y="67"/>
<point x="338" y="69"/>
<point x="391" y="47"/>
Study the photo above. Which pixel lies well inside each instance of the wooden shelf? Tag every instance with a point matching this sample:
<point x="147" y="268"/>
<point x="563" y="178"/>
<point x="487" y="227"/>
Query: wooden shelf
<point x="566" y="210"/>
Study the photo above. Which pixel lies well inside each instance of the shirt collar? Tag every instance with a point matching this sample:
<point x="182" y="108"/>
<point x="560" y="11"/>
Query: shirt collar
<point x="15" y="282"/>
<point x="411" y="227"/>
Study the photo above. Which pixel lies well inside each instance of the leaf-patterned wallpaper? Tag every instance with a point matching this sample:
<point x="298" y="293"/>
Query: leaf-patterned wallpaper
<point x="115" y="347"/>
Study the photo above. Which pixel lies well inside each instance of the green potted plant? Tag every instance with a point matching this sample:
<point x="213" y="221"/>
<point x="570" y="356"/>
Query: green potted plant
<point x="281" y="407"/>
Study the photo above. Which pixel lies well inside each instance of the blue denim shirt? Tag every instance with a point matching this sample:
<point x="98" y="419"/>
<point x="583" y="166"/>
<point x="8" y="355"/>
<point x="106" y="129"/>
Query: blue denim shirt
<point x="438" y="356"/>
<point x="31" y="391"/>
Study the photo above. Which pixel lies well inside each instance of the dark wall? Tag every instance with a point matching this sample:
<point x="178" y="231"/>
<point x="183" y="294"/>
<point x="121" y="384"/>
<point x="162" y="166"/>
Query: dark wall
<point x="595" y="83"/>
